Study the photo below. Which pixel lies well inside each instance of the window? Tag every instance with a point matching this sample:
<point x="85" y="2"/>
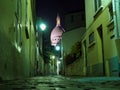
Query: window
<point x="97" y="4"/>
<point x="91" y="37"/>
<point x="110" y="12"/>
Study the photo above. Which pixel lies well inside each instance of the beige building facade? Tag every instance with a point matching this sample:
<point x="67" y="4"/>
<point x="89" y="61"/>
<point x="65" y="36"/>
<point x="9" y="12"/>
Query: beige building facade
<point x="17" y="39"/>
<point x="100" y="50"/>
<point x="99" y="47"/>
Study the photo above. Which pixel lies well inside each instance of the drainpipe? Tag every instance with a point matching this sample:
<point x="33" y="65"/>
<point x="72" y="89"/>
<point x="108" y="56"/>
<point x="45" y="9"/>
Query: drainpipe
<point x="116" y="13"/>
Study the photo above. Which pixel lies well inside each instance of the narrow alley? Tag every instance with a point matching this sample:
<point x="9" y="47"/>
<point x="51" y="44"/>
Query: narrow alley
<point x="62" y="48"/>
<point x="62" y="83"/>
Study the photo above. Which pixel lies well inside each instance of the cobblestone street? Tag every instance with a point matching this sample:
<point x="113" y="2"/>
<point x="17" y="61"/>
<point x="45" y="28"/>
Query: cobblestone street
<point x="61" y="83"/>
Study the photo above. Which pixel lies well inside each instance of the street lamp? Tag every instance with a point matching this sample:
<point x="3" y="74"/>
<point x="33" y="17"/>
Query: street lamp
<point x="42" y="26"/>
<point x="57" y="48"/>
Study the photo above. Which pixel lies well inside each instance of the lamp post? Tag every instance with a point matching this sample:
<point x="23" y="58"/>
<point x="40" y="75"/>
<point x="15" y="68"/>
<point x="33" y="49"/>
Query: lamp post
<point x="41" y="27"/>
<point x="58" y="48"/>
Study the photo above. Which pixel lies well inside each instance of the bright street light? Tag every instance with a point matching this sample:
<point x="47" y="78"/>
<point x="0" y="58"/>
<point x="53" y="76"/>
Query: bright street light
<point x="57" y="48"/>
<point x="42" y="26"/>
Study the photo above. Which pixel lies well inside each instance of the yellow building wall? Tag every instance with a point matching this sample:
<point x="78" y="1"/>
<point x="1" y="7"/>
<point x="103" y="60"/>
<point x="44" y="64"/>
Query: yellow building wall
<point x="17" y="53"/>
<point x="90" y="10"/>
<point x="94" y="53"/>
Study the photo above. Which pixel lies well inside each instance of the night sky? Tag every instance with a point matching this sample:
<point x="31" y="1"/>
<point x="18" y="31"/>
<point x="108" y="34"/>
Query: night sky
<point x="48" y="9"/>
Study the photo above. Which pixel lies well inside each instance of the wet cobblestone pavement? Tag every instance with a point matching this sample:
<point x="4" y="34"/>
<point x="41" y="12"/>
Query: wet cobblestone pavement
<point x="60" y="83"/>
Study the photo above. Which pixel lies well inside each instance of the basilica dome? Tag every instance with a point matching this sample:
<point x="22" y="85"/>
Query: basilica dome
<point x="56" y="34"/>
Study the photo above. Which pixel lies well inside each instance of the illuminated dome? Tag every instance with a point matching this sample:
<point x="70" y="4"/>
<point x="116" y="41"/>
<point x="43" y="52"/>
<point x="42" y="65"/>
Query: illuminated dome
<point x="56" y="34"/>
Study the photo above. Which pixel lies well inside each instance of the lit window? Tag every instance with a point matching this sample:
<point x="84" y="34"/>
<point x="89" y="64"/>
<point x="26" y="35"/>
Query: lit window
<point x="97" y="4"/>
<point x="110" y="12"/>
<point x="91" y="37"/>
